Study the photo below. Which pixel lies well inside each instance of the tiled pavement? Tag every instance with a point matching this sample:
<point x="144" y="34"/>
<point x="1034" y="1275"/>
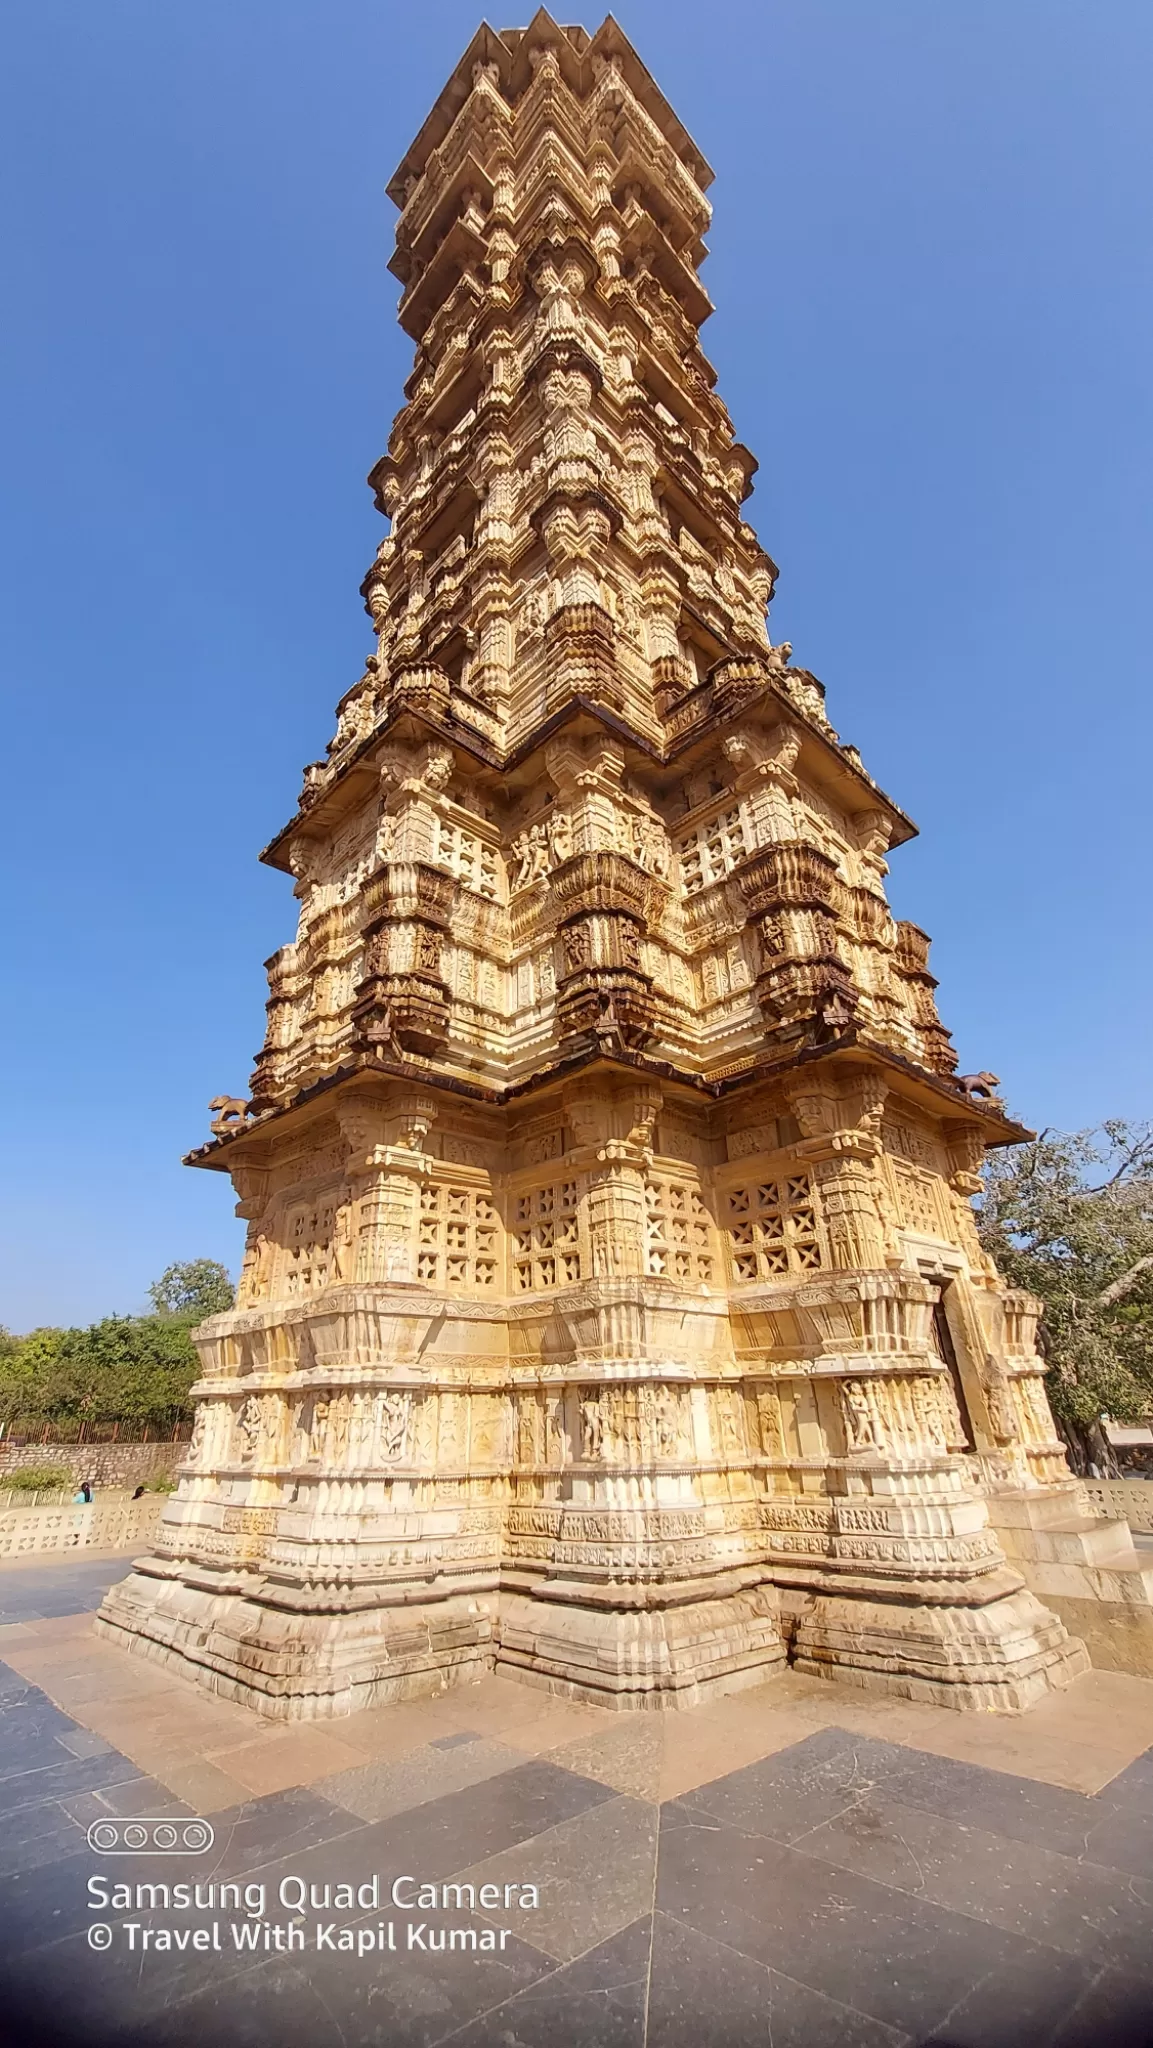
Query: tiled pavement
<point x="794" y="1867"/>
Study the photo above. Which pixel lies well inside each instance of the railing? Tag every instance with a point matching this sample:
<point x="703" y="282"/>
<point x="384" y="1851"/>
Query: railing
<point x="20" y="1433"/>
<point x="1131" y="1500"/>
<point x="43" y="1497"/>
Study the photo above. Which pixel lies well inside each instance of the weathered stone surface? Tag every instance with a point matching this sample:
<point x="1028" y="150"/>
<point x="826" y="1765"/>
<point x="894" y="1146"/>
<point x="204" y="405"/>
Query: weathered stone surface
<point x="612" y="1305"/>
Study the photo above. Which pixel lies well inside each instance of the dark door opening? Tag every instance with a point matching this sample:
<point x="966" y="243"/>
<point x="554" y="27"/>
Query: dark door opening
<point x="942" y="1338"/>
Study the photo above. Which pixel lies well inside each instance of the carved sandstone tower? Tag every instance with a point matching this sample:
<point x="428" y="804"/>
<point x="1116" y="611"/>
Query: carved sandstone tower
<point x="612" y="1307"/>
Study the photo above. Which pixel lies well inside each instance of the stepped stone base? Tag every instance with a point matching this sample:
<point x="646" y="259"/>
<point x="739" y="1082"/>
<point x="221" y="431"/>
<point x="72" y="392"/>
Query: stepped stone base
<point x="641" y="1658"/>
<point x="1001" y="1658"/>
<point x="575" y="1643"/>
<point x="299" y="1667"/>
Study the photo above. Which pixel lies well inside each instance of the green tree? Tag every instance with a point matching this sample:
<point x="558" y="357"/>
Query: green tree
<point x="132" y="1370"/>
<point x="1070" y="1217"/>
<point x="23" y="1369"/>
<point x="194" y="1288"/>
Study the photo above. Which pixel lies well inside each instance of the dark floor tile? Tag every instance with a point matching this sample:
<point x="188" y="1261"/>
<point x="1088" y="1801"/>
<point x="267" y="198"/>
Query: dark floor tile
<point x="1115" y="2012"/>
<point x="51" y="1603"/>
<point x="1074" y="1906"/>
<point x="897" y="1958"/>
<point x="35" y="1835"/>
<point x="1122" y="1838"/>
<point x="43" y="1905"/>
<point x="412" y="1999"/>
<point x="277" y="2003"/>
<point x="596" y="2002"/>
<point x="35" y="1715"/>
<point x="142" y="1797"/>
<point x="829" y="1743"/>
<point x="1021" y="2004"/>
<point x="83" y="1742"/>
<point x="1132" y="1788"/>
<point x="61" y="1780"/>
<point x="787" y="1794"/>
<point x="593" y="1876"/>
<point x="30" y="1745"/>
<point x="445" y="1835"/>
<point x="281" y="1824"/>
<point x="704" y="1995"/>
<point x="1047" y="1815"/>
<point x="78" y="1994"/>
<point x="14" y="1689"/>
<point x="35" y="1712"/>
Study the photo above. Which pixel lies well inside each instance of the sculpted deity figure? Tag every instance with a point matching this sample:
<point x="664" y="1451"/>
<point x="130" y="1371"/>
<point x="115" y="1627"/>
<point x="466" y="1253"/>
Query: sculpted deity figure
<point x="927" y="1404"/>
<point x="539" y="860"/>
<point x="321" y="1410"/>
<point x="342" y="1244"/>
<point x="999" y="1399"/>
<point x="248" y="1429"/>
<point x="769" y="1417"/>
<point x="339" y="1425"/>
<point x="666" y="1421"/>
<point x="199" y="1435"/>
<point x="394" y="1417"/>
<point x="859" y="1425"/>
<point x="531" y="849"/>
<point x="592" y="1427"/>
<point x="554" y="1431"/>
<point x="560" y="837"/>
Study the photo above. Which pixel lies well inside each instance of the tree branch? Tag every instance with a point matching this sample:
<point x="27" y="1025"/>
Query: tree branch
<point x="1118" y="1288"/>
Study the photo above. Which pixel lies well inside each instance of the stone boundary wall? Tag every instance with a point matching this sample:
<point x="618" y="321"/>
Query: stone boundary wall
<point x="115" y="1523"/>
<point x="104" y="1464"/>
<point x="1130" y="1499"/>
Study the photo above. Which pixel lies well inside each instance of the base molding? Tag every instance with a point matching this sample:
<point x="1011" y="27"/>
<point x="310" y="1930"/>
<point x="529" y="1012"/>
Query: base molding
<point x="1002" y="1657"/>
<point x="298" y="1667"/>
<point x="999" y="1658"/>
<point x="642" y="1659"/>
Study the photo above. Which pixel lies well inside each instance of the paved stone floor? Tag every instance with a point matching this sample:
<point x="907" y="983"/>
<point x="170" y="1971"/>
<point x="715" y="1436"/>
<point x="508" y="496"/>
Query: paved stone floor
<point x="799" y="1866"/>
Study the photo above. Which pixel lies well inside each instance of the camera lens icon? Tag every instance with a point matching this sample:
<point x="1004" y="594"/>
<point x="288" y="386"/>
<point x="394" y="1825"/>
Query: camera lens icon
<point x="142" y="1837"/>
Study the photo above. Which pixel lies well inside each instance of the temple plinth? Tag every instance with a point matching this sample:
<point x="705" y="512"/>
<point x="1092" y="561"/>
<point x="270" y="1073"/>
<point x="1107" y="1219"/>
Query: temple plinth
<point x="612" y="1309"/>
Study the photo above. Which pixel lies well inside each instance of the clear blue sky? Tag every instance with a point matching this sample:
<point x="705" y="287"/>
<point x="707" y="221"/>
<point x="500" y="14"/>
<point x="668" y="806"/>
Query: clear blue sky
<point x="930" y="261"/>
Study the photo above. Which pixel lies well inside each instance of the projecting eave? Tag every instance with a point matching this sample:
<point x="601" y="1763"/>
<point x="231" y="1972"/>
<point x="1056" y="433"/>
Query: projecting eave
<point x="838" y="770"/>
<point x="486" y="47"/>
<point x="610" y="40"/>
<point x="934" y="1093"/>
<point x="509" y="50"/>
<point x="843" y="773"/>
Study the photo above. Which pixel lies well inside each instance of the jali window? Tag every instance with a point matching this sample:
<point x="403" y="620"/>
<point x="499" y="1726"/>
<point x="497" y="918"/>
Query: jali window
<point x="457" y="1235"/>
<point x="918" y="1197"/>
<point x="309" y="1249"/>
<point x="676" y="1232"/>
<point x="470" y="859"/>
<point x="772" y="1228"/>
<point x="707" y="854"/>
<point x="546" y="1238"/>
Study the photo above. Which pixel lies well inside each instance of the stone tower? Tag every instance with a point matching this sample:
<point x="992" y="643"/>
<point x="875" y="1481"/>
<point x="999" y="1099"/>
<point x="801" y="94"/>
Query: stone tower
<point x="612" y="1307"/>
